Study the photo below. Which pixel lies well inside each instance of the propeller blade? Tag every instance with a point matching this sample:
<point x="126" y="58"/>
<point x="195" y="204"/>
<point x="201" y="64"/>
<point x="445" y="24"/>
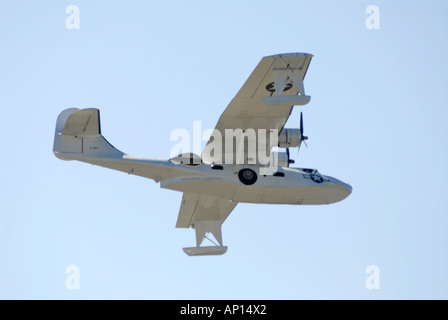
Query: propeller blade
<point x="304" y="138"/>
<point x="301" y="123"/>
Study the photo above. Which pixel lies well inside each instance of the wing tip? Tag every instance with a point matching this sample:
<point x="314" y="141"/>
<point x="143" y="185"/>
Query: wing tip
<point x="290" y="55"/>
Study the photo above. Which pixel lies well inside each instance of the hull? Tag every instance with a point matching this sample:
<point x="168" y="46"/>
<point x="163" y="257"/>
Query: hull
<point x="295" y="187"/>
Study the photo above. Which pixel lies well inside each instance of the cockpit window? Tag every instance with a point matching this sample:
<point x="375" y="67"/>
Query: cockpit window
<point x="310" y="170"/>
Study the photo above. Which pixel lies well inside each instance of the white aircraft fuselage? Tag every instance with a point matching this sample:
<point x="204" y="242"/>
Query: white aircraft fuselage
<point x="288" y="186"/>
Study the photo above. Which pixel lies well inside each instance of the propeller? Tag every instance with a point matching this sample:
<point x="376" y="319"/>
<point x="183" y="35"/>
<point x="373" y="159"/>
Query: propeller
<point x="304" y="138"/>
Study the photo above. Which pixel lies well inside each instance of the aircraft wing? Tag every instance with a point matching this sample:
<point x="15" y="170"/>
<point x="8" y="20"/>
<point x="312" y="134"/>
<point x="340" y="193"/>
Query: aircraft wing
<point x="205" y="214"/>
<point x="265" y="101"/>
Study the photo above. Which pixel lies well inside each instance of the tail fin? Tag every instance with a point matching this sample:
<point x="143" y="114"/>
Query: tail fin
<point x="78" y="136"/>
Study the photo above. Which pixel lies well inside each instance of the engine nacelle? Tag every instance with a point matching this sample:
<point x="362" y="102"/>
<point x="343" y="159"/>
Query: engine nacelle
<point x="279" y="159"/>
<point x="289" y="138"/>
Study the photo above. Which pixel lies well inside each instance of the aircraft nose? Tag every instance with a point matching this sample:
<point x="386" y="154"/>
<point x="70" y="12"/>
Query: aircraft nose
<point x="343" y="188"/>
<point x="347" y="187"/>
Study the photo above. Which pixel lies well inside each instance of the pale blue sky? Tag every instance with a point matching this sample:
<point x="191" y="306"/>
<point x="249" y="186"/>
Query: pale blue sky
<point x="377" y="120"/>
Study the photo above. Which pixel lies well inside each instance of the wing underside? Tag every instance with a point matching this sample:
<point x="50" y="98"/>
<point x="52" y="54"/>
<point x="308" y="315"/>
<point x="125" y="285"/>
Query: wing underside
<point x="264" y="102"/>
<point x="205" y="214"/>
<point x="195" y="207"/>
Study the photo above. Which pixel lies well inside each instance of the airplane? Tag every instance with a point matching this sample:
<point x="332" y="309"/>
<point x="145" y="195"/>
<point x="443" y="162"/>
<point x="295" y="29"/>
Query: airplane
<point x="215" y="182"/>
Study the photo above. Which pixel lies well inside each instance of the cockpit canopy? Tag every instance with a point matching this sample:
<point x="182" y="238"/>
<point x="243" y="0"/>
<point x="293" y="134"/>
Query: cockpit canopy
<point x="187" y="159"/>
<point x="313" y="171"/>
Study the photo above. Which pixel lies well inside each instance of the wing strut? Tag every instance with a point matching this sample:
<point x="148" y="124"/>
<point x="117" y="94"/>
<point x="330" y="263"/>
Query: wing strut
<point x="203" y="228"/>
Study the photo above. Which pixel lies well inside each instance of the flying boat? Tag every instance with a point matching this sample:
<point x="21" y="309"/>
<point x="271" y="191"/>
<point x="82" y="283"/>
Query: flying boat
<point x="238" y="163"/>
